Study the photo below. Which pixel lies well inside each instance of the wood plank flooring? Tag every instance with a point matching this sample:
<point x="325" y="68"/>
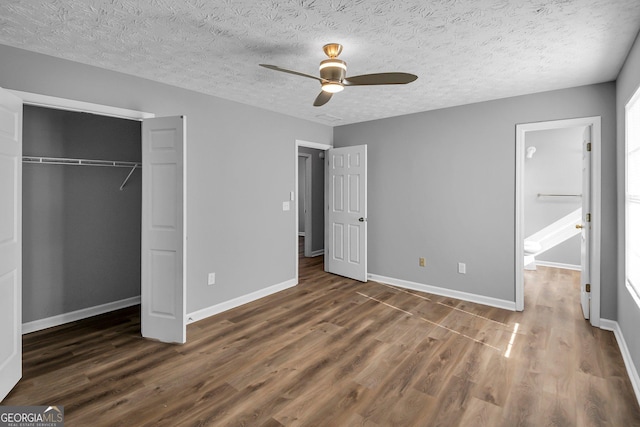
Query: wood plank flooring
<point x="335" y="352"/>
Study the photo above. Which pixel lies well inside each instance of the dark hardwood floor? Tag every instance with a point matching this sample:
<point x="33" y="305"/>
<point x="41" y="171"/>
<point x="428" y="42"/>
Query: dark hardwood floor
<point x="335" y="352"/>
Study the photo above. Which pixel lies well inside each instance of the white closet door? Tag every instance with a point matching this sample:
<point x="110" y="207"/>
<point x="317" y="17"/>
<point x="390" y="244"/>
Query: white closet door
<point x="10" y="241"/>
<point x="163" y="309"/>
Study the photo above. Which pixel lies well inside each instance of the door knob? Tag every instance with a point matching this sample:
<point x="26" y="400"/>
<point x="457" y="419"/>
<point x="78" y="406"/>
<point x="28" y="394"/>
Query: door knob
<point x="579" y="226"/>
<point x="361" y="219"/>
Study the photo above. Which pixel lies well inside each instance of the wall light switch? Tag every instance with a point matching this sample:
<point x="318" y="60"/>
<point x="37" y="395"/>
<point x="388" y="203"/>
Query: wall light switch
<point x="462" y="268"/>
<point x="211" y="279"/>
<point x="286" y="206"/>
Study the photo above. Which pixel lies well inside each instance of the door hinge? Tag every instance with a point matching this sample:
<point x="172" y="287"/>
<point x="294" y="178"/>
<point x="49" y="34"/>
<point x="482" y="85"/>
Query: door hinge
<point x="588" y="217"/>
<point x="588" y="146"/>
<point x="587" y="287"/>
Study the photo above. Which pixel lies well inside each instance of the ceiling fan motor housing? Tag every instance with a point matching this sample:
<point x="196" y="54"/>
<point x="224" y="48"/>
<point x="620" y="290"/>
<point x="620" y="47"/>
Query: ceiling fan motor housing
<point x="333" y="69"/>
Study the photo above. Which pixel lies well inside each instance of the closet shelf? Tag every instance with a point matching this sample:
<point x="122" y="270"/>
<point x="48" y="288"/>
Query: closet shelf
<point x="84" y="162"/>
<point x="79" y="162"/>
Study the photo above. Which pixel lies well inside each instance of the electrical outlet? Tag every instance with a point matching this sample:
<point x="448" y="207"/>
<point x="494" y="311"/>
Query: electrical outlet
<point x="421" y="262"/>
<point x="462" y="268"/>
<point x="212" y="279"/>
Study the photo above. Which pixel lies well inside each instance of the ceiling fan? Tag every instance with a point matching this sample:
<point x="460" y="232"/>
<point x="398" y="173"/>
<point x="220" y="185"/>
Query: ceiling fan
<point x="333" y="75"/>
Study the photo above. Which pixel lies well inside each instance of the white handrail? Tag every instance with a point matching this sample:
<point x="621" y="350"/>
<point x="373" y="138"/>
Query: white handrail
<point x="557" y="232"/>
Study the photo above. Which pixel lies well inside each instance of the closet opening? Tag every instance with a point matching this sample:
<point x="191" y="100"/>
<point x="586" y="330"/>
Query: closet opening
<point x="82" y="202"/>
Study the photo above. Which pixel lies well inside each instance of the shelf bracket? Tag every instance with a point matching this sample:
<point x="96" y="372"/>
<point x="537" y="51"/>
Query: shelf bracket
<point x="127" y="178"/>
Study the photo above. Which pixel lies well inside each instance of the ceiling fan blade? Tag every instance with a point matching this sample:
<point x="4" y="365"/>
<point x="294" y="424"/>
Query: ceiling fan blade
<point x="322" y="99"/>
<point x="380" y="79"/>
<point x="297" y="73"/>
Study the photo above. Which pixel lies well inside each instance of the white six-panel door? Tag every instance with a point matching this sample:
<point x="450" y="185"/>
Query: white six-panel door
<point x="585" y="244"/>
<point x="163" y="229"/>
<point x="347" y="212"/>
<point x="10" y="241"/>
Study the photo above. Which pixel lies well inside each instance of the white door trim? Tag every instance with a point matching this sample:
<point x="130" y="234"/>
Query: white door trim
<point x="521" y="131"/>
<point x="308" y="144"/>
<point x="47" y="101"/>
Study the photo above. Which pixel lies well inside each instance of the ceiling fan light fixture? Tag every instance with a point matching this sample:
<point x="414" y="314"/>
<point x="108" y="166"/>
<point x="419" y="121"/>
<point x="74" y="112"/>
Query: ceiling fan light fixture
<point x="333" y="62"/>
<point x="332" y="87"/>
<point x="333" y="70"/>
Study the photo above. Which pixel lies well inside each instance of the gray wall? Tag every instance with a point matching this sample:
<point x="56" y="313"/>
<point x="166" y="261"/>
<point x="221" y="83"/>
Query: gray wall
<point x="556" y="168"/>
<point x="81" y="234"/>
<point x="442" y="186"/>
<point x="628" y="311"/>
<point x="317" y="195"/>
<point x="235" y="223"/>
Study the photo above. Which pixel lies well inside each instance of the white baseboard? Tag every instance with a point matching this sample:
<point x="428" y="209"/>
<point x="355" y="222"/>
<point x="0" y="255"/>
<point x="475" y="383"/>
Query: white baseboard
<point x="317" y="253"/>
<point x="558" y="265"/>
<point x="479" y="299"/>
<point x="61" y="319"/>
<point x="612" y="325"/>
<point x="241" y="300"/>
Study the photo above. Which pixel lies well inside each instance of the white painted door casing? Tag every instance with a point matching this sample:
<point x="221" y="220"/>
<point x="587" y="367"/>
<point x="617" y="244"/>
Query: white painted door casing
<point x="163" y="311"/>
<point x="10" y="241"/>
<point x="347" y="212"/>
<point x="595" y="180"/>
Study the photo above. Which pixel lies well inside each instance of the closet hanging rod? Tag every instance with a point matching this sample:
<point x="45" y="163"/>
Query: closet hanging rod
<point x="79" y="162"/>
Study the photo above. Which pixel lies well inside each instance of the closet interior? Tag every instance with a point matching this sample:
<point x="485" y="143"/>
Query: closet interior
<point x="81" y="211"/>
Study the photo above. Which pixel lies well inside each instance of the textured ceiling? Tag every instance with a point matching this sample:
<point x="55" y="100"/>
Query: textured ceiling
<point x="463" y="51"/>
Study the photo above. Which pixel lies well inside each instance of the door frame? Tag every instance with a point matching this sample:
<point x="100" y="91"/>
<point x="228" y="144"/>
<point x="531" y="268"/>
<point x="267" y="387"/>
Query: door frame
<point x="47" y="101"/>
<point x="596" y="178"/>
<point x="309" y="144"/>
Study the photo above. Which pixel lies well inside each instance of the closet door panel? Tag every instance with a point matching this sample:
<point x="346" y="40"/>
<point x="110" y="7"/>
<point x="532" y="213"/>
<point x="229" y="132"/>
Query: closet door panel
<point x="10" y="241"/>
<point x="163" y="229"/>
<point x="164" y="178"/>
<point x="163" y="274"/>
